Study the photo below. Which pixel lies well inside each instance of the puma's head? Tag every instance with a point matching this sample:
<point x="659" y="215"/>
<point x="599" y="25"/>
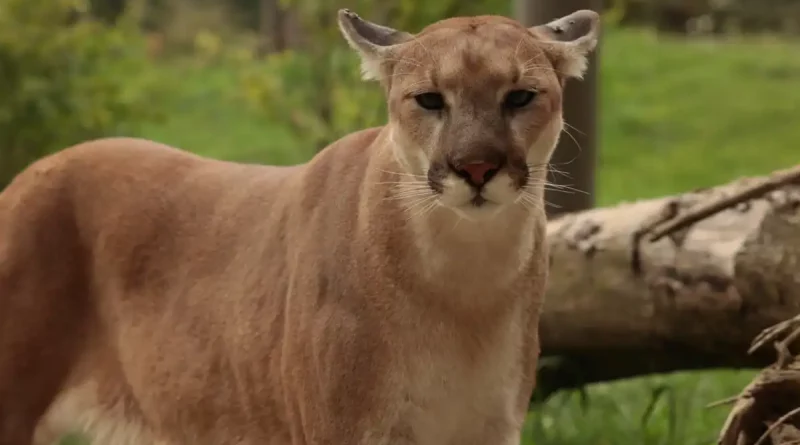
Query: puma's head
<point x="475" y="102"/>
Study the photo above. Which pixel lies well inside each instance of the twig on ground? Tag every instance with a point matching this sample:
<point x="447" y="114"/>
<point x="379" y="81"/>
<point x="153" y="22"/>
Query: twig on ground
<point x="777" y="423"/>
<point x="772" y="332"/>
<point x="772" y="392"/>
<point x="725" y="401"/>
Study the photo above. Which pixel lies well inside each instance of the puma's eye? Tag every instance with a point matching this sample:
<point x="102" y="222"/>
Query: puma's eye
<point x="430" y="101"/>
<point x="518" y="98"/>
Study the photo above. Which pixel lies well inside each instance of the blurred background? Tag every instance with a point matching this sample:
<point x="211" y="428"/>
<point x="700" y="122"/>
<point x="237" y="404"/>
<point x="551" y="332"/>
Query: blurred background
<point x="682" y="94"/>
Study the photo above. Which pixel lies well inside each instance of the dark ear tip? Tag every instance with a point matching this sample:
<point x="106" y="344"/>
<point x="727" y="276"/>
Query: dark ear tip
<point x="348" y="14"/>
<point x="575" y="24"/>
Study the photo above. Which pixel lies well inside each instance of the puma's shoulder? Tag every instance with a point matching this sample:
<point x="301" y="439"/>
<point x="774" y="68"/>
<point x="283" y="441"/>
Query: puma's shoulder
<point x="332" y="180"/>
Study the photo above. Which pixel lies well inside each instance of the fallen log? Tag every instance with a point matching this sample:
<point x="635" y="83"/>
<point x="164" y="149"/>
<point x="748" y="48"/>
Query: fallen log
<point x="675" y="283"/>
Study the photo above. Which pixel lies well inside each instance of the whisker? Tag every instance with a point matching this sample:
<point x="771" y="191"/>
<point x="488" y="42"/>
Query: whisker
<point x="397" y="190"/>
<point x="553" y="187"/>
<point x="577" y="144"/>
<point x="529" y="202"/>
<point x="563" y="163"/>
<point x="567" y="124"/>
<point x="418" y="202"/>
<point x="549" y="184"/>
<point x="419" y="42"/>
<point x="548" y="168"/>
<point x="430" y="208"/>
<point x="403" y="174"/>
<point x="516" y="50"/>
<point x="413" y="85"/>
<point x="551" y="168"/>
<point x="458" y="221"/>
<point x="539" y="201"/>
<point x="405" y="60"/>
<point x="526" y="70"/>
<point x="566" y="191"/>
<point x="396" y="73"/>
<point x="552" y="205"/>
<point x="428" y="205"/>
<point x="569" y="190"/>
<point x="408" y="193"/>
<point x="406" y="198"/>
<point x="405" y="187"/>
<point x="537" y="169"/>
<point x="531" y="62"/>
<point x="531" y="68"/>
<point x="556" y="171"/>
<point x="407" y="183"/>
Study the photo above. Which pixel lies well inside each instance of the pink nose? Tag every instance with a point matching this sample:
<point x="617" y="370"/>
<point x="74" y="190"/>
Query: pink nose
<point x="477" y="173"/>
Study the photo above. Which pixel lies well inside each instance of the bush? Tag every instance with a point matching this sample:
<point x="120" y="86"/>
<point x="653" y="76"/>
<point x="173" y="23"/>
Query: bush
<point x="317" y="98"/>
<point x="65" y="78"/>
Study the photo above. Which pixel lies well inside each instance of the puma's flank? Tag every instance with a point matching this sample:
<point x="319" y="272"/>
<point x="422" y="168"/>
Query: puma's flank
<point x="387" y="292"/>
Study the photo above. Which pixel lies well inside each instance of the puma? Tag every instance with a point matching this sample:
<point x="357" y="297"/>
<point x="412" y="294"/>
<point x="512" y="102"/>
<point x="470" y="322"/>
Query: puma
<point x="386" y="292"/>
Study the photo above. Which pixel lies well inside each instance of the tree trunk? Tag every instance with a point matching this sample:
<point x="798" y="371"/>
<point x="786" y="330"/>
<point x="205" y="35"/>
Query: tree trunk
<point x="272" y="33"/>
<point x="621" y="305"/>
<point x="671" y="19"/>
<point x="575" y="154"/>
<point x="107" y="10"/>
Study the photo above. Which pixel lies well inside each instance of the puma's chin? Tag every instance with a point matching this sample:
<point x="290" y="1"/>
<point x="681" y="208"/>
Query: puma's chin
<point x="477" y="212"/>
<point x="477" y="203"/>
<point x="477" y="208"/>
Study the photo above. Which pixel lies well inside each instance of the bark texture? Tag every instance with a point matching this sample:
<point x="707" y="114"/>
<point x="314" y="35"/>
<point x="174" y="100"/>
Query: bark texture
<point x="620" y="304"/>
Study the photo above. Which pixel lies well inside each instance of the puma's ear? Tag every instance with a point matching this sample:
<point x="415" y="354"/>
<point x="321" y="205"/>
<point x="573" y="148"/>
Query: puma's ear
<point x="372" y="42"/>
<point x="572" y="38"/>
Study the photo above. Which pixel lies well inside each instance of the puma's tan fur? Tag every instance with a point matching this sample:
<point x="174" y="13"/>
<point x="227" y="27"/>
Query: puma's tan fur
<point x="370" y="296"/>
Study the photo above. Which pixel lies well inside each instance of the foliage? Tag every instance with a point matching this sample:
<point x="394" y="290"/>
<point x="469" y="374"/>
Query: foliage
<point x="206" y="115"/>
<point x="319" y="99"/>
<point x="181" y="23"/>
<point x="64" y="79"/>
<point x="318" y="92"/>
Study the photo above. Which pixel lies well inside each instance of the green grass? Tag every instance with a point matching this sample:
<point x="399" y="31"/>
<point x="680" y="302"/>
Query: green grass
<point x="674" y="116"/>
<point x="206" y="114"/>
<point x="655" y="410"/>
<point x="678" y="115"/>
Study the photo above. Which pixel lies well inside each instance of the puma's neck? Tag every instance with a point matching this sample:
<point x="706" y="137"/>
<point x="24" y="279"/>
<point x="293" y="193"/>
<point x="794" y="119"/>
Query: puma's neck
<point x="482" y="250"/>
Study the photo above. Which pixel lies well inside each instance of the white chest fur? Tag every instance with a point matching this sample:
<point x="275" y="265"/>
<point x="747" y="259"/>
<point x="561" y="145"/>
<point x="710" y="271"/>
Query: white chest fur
<point x="452" y="398"/>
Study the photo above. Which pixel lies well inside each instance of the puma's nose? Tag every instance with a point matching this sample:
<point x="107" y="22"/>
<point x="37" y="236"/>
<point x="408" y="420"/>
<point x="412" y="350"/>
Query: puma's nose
<point x="477" y="173"/>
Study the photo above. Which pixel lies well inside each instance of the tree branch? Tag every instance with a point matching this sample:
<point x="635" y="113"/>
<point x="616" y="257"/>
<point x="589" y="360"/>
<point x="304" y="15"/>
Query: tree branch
<point x="769" y="184"/>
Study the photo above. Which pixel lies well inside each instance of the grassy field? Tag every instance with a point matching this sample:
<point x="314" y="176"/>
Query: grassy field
<point x="674" y="116"/>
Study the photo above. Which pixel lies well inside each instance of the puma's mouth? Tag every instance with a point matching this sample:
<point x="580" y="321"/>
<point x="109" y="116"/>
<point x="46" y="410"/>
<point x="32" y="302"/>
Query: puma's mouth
<point x="478" y="200"/>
